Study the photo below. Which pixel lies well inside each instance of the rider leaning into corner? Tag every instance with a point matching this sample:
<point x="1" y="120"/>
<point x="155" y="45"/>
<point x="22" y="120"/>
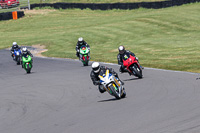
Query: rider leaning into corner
<point x="122" y="53"/>
<point x="96" y="68"/>
<point x="80" y="43"/>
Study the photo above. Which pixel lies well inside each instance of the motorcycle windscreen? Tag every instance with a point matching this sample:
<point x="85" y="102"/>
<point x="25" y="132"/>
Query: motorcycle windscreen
<point x="83" y="49"/>
<point x="17" y="52"/>
<point x="104" y="74"/>
<point x="126" y="59"/>
<point x="26" y="59"/>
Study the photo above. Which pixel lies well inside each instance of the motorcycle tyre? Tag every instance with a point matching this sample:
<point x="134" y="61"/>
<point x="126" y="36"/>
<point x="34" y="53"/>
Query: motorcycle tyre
<point x="124" y="94"/>
<point x="18" y="60"/>
<point x="85" y="63"/>
<point x="28" y="69"/>
<point x="138" y="74"/>
<point x="114" y="92"/>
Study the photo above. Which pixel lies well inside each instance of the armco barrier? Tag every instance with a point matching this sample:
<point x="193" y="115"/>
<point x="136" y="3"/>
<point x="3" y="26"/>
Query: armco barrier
<point x="109" y="6"/>
<point x="8" y="15"/>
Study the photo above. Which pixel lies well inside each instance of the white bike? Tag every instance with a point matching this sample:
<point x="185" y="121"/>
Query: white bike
<point x="111" y="84"/>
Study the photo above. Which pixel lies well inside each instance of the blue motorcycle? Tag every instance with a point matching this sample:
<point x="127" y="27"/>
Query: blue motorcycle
<point x="17" y="56"/>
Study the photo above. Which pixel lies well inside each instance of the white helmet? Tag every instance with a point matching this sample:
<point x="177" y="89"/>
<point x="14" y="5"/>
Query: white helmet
<point x="14" y="43"/>
<point x="24" y="50"/>
<point x="96" y="67"/>
<point x="121" y="49"/>
<point x="80" y="39"/>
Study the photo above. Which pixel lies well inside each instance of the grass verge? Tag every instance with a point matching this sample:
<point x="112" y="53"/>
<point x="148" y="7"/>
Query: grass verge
<point x="163" y="38"/>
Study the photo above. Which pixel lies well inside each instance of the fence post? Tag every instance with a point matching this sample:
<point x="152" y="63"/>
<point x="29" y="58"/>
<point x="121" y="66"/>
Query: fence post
<point x="29" y="7"/>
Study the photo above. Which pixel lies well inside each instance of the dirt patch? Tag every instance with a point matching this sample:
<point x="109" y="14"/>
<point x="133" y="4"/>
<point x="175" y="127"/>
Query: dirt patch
<point x="38" y="49"/>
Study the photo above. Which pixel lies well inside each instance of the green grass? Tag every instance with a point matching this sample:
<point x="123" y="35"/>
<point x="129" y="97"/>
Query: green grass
<point x="164" y="38"/>
<point x="91" y="1"/>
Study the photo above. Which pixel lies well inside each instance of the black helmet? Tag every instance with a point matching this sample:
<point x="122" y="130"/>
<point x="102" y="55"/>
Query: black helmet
<point x="96" y="67"/>
<point x="121" y="49"/>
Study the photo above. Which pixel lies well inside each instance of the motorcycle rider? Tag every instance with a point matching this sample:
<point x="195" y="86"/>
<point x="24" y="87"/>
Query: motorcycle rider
<point x="122" y="53"/>
<point x="14" y="47"/>
<point x="96" y="68"/>
<point x="25" y="53"/>
<point x="80" y="43"/>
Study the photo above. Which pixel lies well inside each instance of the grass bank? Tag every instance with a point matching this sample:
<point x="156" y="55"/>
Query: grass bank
<point x="163" y="38"/>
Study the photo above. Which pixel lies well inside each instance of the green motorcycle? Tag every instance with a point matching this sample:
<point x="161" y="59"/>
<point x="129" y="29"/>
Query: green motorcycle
<point x="27" y="63"/>
<point x="84" y="55"/>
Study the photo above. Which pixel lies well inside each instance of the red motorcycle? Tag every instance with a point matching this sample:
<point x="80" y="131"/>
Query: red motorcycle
<point x="132" y="65"/>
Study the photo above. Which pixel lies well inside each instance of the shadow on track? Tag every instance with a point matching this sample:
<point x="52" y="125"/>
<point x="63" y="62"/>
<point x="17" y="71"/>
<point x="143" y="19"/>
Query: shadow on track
<point x="132" y="79"/>
<point x="87" y="65"/>
<point x="112" y="99"/>
<point x="29" y="73"/>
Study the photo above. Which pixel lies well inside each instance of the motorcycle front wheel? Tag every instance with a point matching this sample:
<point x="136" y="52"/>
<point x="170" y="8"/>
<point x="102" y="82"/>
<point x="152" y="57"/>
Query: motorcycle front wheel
<point x="28" y="69"/>
<point x="18" y="60"/>
<point x="85" y="63"/>
<point x="112" y="88"/>
<point x="137" y="70"/>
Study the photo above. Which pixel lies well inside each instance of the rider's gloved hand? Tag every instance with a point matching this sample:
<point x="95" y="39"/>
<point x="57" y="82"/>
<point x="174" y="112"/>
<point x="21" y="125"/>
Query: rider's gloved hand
<point x="136" y="58"/>
<point x="77" y="50"/>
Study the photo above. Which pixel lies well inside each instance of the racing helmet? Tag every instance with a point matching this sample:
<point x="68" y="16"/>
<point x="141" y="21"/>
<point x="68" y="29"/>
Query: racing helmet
<point x="24" y="50"/>
<point x="121" y="49"/>
<point x="96" y="67"/>
<point x="14" y="44"/>
<point x="80" y="40"/>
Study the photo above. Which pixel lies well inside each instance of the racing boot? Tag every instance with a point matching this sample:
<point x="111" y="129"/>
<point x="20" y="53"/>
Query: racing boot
<point x="125" y="70"/>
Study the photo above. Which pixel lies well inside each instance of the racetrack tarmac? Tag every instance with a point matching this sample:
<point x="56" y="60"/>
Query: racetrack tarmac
<point x="59" y="97"/>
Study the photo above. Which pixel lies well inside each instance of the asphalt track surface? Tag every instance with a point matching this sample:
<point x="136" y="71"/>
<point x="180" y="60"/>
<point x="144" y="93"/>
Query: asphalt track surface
<point x="59" y="97"/>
